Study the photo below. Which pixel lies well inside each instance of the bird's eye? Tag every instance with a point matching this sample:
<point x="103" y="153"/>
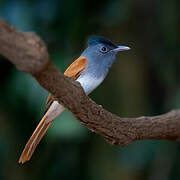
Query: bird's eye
<point x="103" y="49"/>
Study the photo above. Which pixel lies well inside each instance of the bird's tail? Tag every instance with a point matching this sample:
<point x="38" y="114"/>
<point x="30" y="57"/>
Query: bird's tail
<point x="39" y="132"/>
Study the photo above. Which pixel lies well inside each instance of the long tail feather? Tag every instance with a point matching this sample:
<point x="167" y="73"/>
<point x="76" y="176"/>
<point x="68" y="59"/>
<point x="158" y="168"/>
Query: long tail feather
<point x="37" y="135"/>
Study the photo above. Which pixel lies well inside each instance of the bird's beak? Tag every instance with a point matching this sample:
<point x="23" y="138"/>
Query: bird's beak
<point x="121" y="48"/>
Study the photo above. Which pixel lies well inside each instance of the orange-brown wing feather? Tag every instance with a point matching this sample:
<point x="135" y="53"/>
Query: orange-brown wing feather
<point x="49" y="101"/>
<point x="74" y="71"/>
<point x="76" y="68"/>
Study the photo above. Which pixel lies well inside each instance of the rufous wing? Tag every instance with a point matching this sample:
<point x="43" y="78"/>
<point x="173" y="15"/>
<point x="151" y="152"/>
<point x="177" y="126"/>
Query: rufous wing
<point x="74" y="71"/>
<point x="76" y="68"/>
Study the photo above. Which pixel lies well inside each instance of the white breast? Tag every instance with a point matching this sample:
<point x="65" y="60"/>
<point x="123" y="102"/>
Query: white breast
<point x="89" y="83"/>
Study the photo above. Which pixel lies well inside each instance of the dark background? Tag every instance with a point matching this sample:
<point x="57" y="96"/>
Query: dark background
<point x="143" y="81"/>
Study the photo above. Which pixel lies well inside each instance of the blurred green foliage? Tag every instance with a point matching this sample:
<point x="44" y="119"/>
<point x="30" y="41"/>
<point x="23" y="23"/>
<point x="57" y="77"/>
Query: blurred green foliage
<point x="143" y="81"/>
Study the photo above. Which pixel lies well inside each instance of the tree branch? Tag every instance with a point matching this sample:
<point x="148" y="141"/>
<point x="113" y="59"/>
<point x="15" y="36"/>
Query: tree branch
<point x="29" y="54"/>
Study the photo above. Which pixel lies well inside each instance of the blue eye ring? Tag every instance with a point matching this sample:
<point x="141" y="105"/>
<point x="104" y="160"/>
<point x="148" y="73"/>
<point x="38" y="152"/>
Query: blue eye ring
<point x="103" y="49"/>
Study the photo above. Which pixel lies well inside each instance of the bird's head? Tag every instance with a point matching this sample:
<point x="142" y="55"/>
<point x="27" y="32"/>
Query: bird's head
<point x="102" y="51"/>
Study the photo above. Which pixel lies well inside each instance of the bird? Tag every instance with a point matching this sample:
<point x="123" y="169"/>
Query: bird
<point x="90" y="69"/>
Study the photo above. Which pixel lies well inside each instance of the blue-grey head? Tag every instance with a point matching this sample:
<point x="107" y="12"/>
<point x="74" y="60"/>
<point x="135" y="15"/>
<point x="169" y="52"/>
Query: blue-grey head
<point x="102" y="52"/>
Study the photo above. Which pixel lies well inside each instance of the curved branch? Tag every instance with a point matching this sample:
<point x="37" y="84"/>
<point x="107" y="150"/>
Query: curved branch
<point x="29" y="54"/>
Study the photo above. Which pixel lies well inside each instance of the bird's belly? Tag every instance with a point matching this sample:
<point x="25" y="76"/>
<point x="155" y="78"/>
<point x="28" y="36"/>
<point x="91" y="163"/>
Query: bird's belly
<point x="89" y="83"/>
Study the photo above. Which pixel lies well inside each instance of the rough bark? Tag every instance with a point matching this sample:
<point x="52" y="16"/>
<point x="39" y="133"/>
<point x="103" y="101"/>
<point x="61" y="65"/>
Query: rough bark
<point x="29" y="54"/>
